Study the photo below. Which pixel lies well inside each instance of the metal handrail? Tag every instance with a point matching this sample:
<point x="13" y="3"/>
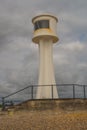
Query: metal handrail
<point x="42" y="86"/>
<point x="52" y="85"/>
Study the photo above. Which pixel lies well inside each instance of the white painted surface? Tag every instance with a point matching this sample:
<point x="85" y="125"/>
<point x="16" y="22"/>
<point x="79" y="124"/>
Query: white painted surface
<point x="45" y="39"/>
<point x="46" y="70"/>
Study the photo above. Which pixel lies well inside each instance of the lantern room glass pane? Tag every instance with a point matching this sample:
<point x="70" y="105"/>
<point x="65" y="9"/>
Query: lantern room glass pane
<point x="41" y="24"/>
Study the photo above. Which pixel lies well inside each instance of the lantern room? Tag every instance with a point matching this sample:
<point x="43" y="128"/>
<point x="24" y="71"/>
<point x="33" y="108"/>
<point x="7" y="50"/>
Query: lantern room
<point x="45" y="26"/>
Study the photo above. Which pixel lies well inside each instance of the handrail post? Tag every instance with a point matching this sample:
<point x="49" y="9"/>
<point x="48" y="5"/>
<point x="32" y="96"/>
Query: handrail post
<point x="84" y="92"/>
<point x="52" y="90"/>
<point x="3" y="104"/>
<point x="73" y="91"/>
<point x="31" y="92"/>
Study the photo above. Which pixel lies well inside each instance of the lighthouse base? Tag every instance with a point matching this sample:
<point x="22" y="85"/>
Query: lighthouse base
<point x="47" y="92"/>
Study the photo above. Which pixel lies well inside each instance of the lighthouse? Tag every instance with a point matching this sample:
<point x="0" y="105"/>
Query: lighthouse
<point x="45" y="35"/>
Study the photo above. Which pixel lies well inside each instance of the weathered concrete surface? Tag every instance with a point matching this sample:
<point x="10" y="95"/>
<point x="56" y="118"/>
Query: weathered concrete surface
<point x="62" y="104"/>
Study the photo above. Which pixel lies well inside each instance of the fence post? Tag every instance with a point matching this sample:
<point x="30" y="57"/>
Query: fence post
<point x="31" y="92"/>
<point x="3" y="104"/>
<point x="84" y="92"/>
<point x="73" y="91"/>
<point x="52" y="91"/>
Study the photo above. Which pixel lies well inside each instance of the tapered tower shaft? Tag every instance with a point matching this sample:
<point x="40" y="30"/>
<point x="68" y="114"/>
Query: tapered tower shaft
<point x="46" y="70"/>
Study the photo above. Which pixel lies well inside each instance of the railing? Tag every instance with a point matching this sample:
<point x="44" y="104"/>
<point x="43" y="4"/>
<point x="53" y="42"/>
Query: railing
<point x="64" y="91"/>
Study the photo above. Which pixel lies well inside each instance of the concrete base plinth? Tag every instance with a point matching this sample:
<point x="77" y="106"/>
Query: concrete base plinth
<point x="55" y="104"/>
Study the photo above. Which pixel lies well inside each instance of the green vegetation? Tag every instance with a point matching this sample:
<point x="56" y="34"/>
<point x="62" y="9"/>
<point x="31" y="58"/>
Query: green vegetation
<point x="0" y="105"/>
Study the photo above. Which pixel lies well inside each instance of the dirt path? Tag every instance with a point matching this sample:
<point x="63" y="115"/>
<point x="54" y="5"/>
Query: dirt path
<point x="44" y="120"/>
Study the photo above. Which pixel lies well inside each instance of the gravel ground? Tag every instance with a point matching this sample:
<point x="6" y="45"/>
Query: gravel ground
<point x="43" y="120"/>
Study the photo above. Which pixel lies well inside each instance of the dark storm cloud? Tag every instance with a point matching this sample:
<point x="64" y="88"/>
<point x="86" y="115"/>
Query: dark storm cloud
<point x="19" y="56"/>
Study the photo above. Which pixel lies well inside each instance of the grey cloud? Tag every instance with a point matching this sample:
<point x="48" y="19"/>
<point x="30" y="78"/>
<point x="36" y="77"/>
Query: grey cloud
<point x="71" y="63"/>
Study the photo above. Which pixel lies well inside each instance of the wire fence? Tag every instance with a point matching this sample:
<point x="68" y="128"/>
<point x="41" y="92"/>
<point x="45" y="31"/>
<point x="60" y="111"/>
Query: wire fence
<point x="65" y="91"/>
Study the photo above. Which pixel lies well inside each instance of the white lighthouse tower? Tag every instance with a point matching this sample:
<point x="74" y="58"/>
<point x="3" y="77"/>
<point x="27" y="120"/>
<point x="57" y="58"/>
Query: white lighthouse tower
<point x="45" y="27"/>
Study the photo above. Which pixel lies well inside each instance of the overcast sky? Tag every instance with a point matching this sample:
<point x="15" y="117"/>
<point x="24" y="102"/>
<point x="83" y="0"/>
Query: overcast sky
<point x="19" y="56"/>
